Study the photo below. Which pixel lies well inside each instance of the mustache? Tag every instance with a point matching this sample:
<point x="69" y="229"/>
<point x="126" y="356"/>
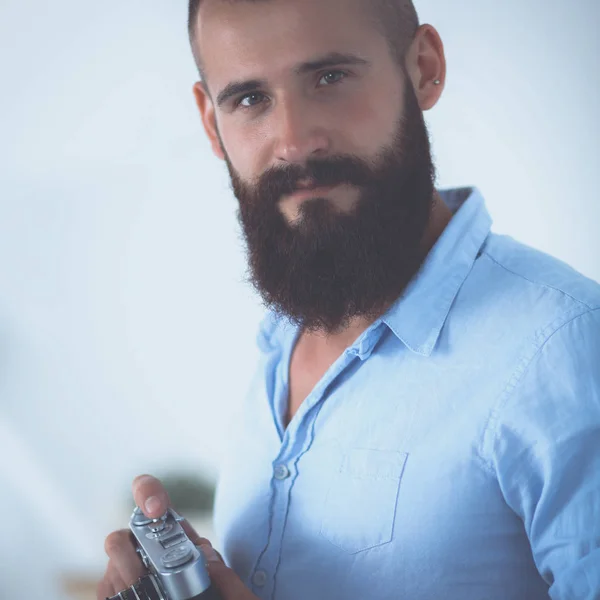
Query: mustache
<point x="282" y="181"/>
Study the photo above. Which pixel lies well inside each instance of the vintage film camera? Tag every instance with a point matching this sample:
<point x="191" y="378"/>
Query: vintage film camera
<point x="176" y="568"/>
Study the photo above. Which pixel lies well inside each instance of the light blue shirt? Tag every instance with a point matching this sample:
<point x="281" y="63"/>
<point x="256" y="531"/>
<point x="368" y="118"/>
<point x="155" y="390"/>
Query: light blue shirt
<point x="451" y="453"/>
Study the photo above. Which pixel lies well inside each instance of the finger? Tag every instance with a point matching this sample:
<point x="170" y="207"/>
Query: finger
<point x="126" y="562"/>
<point x="111" y="583"/>
<point x="116" y="581"/>
<point x="218" y="554"/>
<point x="225" y="579"/>
<point x="196" y="539"/>
<point x="105" y="589"/>
<point x="211" y="554"/>
<point x="150" y="495"/>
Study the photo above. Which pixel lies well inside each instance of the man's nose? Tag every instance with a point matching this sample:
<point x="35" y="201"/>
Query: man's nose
<point x="298" y="138"/>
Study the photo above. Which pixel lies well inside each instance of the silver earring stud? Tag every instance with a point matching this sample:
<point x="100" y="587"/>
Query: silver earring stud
<point x="437" y="82"/>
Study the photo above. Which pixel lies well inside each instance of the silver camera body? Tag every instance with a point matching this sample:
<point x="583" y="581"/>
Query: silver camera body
<point x="175" y="565"/>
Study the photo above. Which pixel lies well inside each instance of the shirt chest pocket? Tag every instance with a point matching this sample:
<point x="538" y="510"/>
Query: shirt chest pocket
<point x="360" y="505"/>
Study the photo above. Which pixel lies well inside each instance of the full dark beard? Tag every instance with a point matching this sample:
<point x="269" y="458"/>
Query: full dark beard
<point x="330" y="266"/>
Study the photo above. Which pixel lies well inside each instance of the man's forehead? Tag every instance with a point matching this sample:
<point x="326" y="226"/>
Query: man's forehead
<point x="229" y="8"/>
<point x="239" y="36"/>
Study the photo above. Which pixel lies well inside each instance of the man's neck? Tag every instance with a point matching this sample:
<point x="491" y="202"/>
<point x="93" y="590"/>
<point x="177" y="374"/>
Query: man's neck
<point x="325" y="344"/>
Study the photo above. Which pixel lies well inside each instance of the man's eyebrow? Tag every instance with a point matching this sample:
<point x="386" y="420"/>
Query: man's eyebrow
<point x="239" y="87"/>
<point x="332" y="59"/>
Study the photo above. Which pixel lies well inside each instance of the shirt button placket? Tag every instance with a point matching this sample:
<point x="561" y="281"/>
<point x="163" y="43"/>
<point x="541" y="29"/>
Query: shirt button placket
<point x="260" y="579"/>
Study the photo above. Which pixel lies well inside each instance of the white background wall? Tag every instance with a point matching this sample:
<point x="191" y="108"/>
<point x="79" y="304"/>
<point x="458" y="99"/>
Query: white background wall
<point x="121" y="269"/>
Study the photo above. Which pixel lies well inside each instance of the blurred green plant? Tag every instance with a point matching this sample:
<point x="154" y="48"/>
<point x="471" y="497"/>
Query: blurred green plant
<point x="189" y="492"/>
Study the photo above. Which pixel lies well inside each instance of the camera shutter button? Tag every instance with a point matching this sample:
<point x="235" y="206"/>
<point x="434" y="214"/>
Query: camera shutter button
<point x="139" y="519"/>
<point x="157" y="525"/>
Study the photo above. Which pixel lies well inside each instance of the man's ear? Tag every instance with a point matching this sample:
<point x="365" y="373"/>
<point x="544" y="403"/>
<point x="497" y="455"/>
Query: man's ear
<point x="207" y="114"/>
<point x="426" y="66"/>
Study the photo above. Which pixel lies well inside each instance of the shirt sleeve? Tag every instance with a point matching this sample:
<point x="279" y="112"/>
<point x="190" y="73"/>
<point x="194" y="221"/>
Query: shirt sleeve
<point x="545" y="452"/>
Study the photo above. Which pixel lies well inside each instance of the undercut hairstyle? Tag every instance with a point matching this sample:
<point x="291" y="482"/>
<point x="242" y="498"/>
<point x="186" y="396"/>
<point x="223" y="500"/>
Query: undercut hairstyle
<point x="397" y="20"/>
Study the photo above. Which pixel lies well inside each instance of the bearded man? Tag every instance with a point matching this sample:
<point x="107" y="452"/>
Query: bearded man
<point x="425" y="419"/>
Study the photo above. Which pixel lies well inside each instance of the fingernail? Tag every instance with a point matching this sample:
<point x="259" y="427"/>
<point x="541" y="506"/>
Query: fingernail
<point x="152" y="504"/>
<point x="209" y="553"/>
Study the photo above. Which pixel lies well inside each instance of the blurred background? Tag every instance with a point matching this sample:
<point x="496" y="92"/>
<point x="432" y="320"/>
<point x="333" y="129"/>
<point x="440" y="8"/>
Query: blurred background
<point x="127" y="332"/>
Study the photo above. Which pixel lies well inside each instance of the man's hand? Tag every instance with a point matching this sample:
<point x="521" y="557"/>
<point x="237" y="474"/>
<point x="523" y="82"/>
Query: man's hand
<point x="125" y="567"/>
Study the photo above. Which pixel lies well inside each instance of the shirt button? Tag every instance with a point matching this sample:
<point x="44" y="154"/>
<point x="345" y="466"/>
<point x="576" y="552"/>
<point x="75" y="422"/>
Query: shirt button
<point x="281" y="472"/>
<point x="259" y="578"/>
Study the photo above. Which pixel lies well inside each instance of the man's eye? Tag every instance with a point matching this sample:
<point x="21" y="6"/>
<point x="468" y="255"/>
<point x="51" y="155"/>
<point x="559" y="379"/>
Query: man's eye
<point x="332" y="77"/>
<point x="250" y="100"/>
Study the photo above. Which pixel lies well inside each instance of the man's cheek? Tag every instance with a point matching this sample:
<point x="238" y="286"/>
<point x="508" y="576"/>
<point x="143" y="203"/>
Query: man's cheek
<point x="241" y="157"/>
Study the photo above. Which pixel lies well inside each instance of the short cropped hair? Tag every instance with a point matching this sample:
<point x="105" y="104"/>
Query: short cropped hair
<point x="396" y="19"/>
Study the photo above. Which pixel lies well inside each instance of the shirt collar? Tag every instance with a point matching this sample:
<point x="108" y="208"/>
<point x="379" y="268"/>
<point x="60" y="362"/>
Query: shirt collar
<point x="419" y="314"/>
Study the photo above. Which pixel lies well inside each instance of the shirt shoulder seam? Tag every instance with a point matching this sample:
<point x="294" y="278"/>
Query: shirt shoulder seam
<point x="541" y="339"/>
<point x="537" y="282"/>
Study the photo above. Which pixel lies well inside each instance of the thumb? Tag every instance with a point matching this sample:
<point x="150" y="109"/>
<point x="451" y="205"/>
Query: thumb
<point x="229" y="585"/>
